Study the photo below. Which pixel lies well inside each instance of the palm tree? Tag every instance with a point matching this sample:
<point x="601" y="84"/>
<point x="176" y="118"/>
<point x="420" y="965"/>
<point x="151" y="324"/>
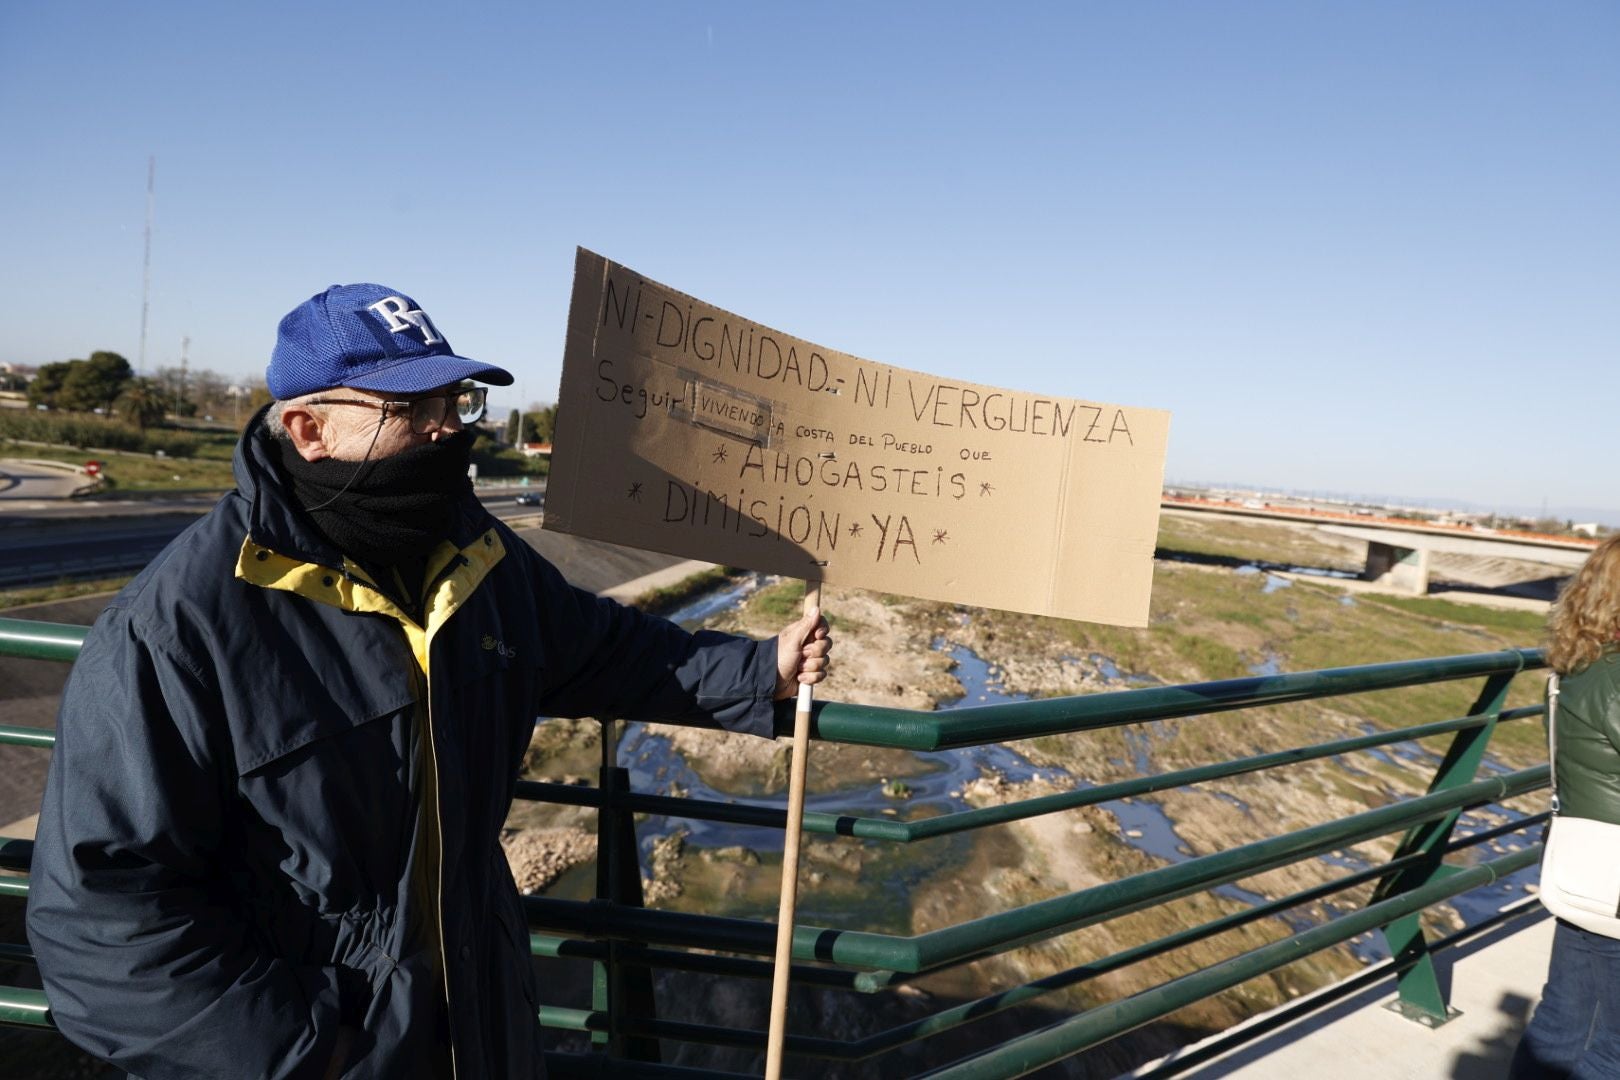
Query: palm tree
<point x="140" y="404"/>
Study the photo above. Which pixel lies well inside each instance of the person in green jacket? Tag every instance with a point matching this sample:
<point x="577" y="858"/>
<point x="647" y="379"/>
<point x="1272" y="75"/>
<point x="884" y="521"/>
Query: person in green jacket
<point x="1575" y="1032"/>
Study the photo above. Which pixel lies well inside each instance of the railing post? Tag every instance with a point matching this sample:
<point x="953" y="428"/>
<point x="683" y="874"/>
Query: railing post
<point x="617" y="989"/>
<point x="1420" y="995"/>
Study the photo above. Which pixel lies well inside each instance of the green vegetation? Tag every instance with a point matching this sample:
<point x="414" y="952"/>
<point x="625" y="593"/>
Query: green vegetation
<point x="784" y="602"/>
<point x="81" y="385"/>
<point x="495" y="460"/>
<point x="1214" y="624"/>
<point x="93" y="432"/>
<point x="779" y="602"/>
<point x="65" y="590"/>
<point x="104" y="383"/>
<point x="1528" y="627"/>
<point x="1254" y="541"/>
<point x="539" y="424"/>
<point x="663" y="601"/>
<point x="140" y="404"/>
<point x="1209" y="623"/>
<point x="209" y="470"/>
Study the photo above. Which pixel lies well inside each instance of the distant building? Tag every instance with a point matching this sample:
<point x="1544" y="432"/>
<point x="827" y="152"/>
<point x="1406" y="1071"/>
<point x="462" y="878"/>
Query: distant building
<point x="14" y="378"/>
<point x="1587" y="528"/>
<point x="535" y="449"/>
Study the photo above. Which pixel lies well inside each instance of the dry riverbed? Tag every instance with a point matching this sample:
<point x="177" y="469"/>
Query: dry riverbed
<point x="1206" y="623"/>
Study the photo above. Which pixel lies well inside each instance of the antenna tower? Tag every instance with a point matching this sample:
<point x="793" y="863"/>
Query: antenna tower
<point x="180" y="389"/>
<point x="146" y="267"/>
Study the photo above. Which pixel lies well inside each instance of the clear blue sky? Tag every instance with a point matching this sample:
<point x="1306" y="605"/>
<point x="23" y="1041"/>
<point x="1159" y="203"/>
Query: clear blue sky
<point x="1357" y="247"/>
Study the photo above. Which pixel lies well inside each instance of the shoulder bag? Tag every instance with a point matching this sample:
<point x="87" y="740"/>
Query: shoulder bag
<point x="1580" y="866"/>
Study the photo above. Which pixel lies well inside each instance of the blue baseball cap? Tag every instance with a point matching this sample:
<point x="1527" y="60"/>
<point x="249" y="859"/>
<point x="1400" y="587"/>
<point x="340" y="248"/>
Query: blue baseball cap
<point x="368" y="337"/>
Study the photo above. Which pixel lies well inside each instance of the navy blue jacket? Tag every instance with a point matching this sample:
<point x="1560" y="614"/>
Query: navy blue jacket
<point x="274" y="805"/>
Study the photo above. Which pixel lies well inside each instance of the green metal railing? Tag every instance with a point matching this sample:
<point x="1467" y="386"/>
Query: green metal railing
<point x="626" y="941"/>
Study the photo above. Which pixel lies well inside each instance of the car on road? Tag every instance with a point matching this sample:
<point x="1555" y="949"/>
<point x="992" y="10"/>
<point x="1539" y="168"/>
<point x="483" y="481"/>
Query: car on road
<point x="529" y="498"/>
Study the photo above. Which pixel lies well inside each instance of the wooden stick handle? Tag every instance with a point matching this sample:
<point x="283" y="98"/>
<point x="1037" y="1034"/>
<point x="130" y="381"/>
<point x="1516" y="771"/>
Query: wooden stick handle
<point x="790" y="865"/>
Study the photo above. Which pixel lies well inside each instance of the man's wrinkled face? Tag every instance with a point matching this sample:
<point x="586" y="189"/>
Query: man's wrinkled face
<point x="345" y="425"/>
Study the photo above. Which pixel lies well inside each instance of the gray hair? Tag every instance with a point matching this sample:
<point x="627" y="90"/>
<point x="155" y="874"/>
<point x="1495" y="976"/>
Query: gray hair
<point x="272" y="416"/>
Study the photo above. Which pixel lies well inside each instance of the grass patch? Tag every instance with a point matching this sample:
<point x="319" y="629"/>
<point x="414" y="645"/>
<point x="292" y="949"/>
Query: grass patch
<point x="1214" y="659"/>
<point x="142" y="472"/>
<point x="85" y="430"/>
<point x="784" y="602"/>
<point x="1252" y="541"/>
<point x="1207" y="624"/>
<point x="505" y="461"/>
<point x="1528" y="626"/>
<point x="1202" y="625"/>
<point x="781" y="601"/>
<point x="663" y="601"/>
<point x="65" y="590"/>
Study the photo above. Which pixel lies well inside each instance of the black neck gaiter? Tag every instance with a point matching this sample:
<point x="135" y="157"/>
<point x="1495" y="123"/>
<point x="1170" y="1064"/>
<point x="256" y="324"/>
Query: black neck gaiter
<point x="384" y="511"/>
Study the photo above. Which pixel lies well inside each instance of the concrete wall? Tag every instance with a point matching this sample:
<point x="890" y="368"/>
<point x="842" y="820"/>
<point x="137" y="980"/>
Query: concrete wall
<point x="1401" y="568"/>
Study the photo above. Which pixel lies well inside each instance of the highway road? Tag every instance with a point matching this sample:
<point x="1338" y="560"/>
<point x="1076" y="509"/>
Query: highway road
<point x="26" y="481"/>
<point x="85" y="539"/>
<point x="84" y="549"/>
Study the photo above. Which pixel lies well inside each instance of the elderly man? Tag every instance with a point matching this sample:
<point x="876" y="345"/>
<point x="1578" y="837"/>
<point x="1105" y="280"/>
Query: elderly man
<point x="269" y="840"/>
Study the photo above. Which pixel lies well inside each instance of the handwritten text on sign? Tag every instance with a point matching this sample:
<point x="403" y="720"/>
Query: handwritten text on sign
<point x="686" y="429"/>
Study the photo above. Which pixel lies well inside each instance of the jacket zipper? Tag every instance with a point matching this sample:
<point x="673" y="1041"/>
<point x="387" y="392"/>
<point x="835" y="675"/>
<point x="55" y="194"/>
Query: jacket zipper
<point x="438" y="830"/>
<point x="438" y="861"/>
<point x="438" y="817"/>
<point x="433" y="763"/>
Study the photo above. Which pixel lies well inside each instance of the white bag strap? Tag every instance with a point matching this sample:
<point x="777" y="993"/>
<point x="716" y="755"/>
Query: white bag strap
<point x="1552" y="736"/>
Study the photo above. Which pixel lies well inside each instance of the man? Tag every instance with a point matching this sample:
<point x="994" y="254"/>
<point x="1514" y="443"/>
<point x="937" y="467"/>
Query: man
<point x="268" y="845"/>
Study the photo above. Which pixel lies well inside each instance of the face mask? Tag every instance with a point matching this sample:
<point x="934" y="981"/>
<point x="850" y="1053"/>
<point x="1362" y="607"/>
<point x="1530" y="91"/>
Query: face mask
<point x="385" y="510"/>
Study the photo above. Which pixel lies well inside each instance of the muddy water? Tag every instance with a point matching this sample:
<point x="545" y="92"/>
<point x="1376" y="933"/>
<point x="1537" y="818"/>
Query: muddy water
<point x="936" y="788"/>
<point x="1148" y="828"/>
<point x="1474" y="906"/>
<point x="699" y="610"/>
<point x="1256" y="567"/>
<point x="1276" y="582"/>
<point x="1143" y="822"/>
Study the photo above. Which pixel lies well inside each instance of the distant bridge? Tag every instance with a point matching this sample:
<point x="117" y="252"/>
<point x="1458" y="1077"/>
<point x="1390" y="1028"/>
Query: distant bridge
<point x="1400" y="552"/>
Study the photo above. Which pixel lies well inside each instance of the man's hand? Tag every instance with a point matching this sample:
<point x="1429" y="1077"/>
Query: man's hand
<point x="801" y="654"/>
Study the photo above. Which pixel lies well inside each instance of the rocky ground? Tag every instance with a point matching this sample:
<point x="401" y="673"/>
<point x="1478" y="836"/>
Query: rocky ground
<point x="540" y="856"/>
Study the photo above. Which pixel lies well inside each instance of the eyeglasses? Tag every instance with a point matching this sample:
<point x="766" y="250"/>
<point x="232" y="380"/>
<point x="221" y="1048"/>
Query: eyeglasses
<point x="427" y="414"/>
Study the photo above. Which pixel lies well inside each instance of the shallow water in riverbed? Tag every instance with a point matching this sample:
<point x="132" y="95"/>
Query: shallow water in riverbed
<point x="695" y="612"/>
<point x="889" y="871"/>
<point x="656" y="767"/>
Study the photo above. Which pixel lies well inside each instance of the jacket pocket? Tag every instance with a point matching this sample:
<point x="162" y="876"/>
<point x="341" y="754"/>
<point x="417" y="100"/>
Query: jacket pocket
<point x="330" y="824"/>
<point x="322" y="674"/>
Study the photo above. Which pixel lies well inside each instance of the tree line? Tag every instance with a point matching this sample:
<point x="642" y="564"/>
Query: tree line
<point x="106" y="385"/>
<point x="532" y="426"/>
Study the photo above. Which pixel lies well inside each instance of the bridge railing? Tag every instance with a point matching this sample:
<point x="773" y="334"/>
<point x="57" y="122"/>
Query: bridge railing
<point x="627" y="941"/>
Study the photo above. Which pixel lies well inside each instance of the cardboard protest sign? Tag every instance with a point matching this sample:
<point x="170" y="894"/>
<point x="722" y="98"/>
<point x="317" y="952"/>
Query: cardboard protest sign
<point x="687" y="429"/>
